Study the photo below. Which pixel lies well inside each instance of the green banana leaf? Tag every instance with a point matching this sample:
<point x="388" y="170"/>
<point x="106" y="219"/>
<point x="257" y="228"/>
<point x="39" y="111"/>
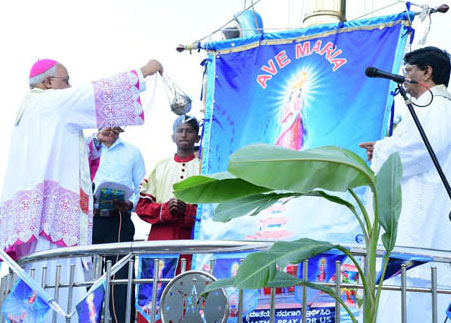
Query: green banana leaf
<point x="252" y="205"/>
<point x="249" y="205"/>
<point x="330" y="168"/>
<point x="282" y="279"/>
<point x="389" y="199"/>
<point x="215" y="188"/>
<point x="222" y="283"/>
<point x="260" y="267"/>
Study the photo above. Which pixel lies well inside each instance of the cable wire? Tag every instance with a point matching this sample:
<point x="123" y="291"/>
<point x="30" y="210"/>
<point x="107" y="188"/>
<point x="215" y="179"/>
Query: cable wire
<point x="149" y="97"/>
<point x="228" y="22"/>
<point x="432" y="96"/>
<point x="196" y="44"/>
<point x="117" y="259"/>
<point x="377" y="10"/>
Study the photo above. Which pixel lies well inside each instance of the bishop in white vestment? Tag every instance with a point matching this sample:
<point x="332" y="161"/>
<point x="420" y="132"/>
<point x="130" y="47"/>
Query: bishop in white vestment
<point x="47" y="196"/>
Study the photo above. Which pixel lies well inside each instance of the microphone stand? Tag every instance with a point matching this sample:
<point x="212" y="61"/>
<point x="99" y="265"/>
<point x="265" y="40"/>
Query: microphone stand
<point x="426" y="141"/>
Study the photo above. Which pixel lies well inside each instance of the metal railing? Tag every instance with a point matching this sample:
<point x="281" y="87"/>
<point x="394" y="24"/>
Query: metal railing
<point x="185" y="247"/>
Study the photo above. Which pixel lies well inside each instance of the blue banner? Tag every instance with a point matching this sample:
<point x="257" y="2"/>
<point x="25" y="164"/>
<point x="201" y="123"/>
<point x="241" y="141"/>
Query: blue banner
<point x="292" y="315"/>
<point x="256" y="303"/>
<point x="90" y="308"/>
<point x="321" y="269"/>
<point x="167" y="269"/>
<point x="298" y="89"/>
<point x="226" y="265"/>
<point x="396" y="260"/>
<point x="24" y="304"/>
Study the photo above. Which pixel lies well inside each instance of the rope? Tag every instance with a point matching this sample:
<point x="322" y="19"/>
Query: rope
<point x="408" y="4"/>
<point x="114" y="276"/>
<point x="377" y="10"/>
<point x="168" y="87"/>
<point x="149" y="97"/>
<point x="197" y="44"/>
<point x="255" y="14"/>
<point x="426" y="32"/>
<point x="222" y="27"/>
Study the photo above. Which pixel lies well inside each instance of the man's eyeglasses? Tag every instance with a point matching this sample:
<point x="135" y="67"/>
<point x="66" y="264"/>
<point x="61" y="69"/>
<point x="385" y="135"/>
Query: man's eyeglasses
<point x="65" y="79"/>
<point x="118" y="129"/>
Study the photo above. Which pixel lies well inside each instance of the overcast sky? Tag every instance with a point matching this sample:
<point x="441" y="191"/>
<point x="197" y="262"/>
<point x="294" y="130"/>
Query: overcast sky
<point x="95" y="38"/>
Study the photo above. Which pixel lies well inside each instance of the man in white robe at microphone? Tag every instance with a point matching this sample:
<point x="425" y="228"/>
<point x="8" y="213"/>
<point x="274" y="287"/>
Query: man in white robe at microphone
<point x="424" y="221"/>
<point x="47" y="196"/>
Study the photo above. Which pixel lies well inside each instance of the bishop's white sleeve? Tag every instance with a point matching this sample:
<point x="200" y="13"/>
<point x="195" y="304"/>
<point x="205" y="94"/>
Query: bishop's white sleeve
<point x="108" y="102"/>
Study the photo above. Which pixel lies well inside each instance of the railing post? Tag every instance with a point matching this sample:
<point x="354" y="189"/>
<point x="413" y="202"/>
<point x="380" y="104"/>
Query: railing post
<point x="70" y="290"/>
<point x="56" y="293"/>
<point x="156" y="270"/>
<point x="98" y="266"/>
<point x="365" y="270"/>
<point x="304" y="291"/>
<point x="272" y="313"/>
<point x="10" y="282"/>
<point x="434" y="293"/>
<point x="44" y="277"/>
<point x="2" y="295"/>
<point x="128" y="311"/>
<point x="240" y="302"/>
<point x="403" y="294"/>
<point x="240" y="305"/>
<point x="9" y="279"/>
<point x="107" y="291"/>
<point x="337" y="290"/>
<point x="182" y="265"/>
<point x="212" y="266"/>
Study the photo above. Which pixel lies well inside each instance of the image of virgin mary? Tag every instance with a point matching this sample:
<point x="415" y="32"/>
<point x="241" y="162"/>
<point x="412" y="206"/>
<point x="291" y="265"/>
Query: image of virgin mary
<point x="293" y="132"/>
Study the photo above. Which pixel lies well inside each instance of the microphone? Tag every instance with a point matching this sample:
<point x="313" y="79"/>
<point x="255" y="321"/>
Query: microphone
<point x="442" y="9"/>
<point x="375" y="72"/>
<point x="180" y="48"/>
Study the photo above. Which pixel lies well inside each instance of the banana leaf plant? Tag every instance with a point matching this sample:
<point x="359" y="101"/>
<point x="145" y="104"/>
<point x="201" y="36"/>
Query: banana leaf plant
<point x="260" y="175"/>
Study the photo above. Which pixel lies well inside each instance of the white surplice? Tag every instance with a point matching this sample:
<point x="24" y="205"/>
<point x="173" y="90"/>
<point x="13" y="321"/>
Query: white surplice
<point x="424" y="219"/>
<point x="47" y="191"/>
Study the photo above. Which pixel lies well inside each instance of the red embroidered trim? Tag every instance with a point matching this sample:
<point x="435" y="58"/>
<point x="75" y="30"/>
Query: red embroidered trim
<point x="84" y="202"/>
<point x="183" y="160"/>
